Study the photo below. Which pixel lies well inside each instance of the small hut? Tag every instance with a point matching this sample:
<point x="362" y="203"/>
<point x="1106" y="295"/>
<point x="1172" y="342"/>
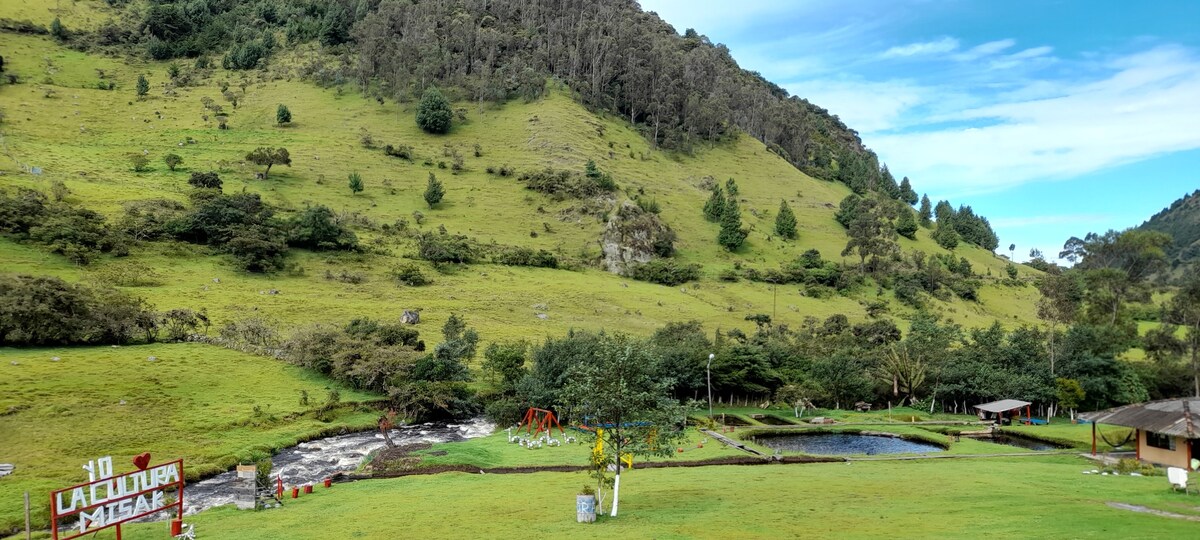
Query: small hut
<point x="1167" y="431"/>
<point x="999" y="408"/>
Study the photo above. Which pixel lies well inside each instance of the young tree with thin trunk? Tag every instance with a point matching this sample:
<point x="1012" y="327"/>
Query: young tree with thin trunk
<point x="1062" y="296"/>
<point x="1184" y="310"/>
<point x="269" y="157"/>
<point x="621" y="395"/>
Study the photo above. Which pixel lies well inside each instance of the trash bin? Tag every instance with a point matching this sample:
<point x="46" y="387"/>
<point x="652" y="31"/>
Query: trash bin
<point x="585" y="508"/>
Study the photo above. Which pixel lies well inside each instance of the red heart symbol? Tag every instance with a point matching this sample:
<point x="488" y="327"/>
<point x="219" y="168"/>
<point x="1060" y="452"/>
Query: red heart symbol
<point x="142" y="460"/>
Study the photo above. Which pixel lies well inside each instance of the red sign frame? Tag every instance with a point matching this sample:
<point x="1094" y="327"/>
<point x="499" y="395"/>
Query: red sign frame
<point x="55" y="515"/>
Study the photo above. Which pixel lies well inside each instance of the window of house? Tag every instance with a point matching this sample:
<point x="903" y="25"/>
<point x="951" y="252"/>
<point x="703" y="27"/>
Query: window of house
<point x="1159" y="440"/>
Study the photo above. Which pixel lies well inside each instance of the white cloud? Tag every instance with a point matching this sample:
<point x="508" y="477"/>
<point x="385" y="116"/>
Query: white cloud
<point x="864" y="106"/>
<point x="1142" y="106"/>
<point x="985" y="49"/>
<point x="1032" y="53"/>
<point x="943" y="45"/>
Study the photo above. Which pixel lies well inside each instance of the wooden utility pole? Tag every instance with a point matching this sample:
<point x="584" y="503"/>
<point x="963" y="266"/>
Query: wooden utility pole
<point x="28" y="532"/>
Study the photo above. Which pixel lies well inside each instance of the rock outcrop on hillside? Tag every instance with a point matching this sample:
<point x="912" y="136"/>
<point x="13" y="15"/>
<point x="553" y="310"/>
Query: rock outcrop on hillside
<point x="634" y="235"/>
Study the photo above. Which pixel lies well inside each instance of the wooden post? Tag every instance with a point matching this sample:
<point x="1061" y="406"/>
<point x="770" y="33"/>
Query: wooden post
<point x="28" y="531"/>
<point x="1028" y="416"/>
<point x="1093" y="438"/>
<point x="1137" y="444"/>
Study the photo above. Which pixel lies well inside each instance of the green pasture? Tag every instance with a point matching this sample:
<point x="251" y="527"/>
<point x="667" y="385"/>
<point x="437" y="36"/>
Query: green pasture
<point x="196" y="402"/>
<point x="496" y="451"/>
<point x="1043" y="497"/>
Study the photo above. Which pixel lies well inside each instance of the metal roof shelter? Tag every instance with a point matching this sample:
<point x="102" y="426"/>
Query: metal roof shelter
<point x="1175" y="417"/>
<point x="1003" y="405"/>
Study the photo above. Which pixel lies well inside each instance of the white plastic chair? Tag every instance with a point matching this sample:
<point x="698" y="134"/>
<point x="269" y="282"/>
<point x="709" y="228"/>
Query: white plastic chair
<point x="1178" y="478"/>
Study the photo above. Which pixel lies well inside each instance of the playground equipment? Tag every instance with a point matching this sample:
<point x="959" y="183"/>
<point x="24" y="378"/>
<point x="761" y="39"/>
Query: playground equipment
<point x="598" y="451"/>
<point x="539" y="425"/>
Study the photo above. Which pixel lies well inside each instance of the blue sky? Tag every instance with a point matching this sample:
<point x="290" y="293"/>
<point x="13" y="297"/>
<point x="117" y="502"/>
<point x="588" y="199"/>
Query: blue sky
<point x="1051" y="118"/>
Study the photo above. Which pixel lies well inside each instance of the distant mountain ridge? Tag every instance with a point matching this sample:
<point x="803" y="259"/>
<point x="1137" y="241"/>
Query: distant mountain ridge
<point x="1181" y="220"/>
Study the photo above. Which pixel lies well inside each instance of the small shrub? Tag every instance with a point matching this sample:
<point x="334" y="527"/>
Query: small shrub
<point x="446" y="248"/>
<point x="58" y="190"/>
<point x="172" y="161"/>
<point x="283" y="115"/>
<point x="139" y="161"/>
<point x="665" y="272"/>
<point x="649" y="205"/>
<point x="410" y="274"/>
<point x="353" y="278"/>
<point x="205" y="180"/>
<point x="519" y="256"/>
<point x="402" y="151"/>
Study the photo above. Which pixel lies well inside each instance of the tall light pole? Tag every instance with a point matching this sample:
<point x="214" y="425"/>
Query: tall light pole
<point x="709" y="370"/>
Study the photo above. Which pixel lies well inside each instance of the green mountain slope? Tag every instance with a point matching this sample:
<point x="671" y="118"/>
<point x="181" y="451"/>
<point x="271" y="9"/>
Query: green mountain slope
<point x="1181" y="220"/>
<point x="83" y="137"/>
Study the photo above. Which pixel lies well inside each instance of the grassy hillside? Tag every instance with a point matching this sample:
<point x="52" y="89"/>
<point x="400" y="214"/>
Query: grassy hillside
<point x="211" y="406"/>
<point x="84" y="136"/>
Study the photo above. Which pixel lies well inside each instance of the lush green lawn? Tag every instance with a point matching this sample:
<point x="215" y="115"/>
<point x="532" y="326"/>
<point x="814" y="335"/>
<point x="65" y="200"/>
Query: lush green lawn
<point x="496" y="451"/>
<point x="986" y="498"/>
<point x="195" y="401"/>
<point x="1077" y="435"/>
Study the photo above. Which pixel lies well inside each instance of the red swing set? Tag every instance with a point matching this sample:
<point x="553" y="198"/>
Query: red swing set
<point x="538" y="420"/>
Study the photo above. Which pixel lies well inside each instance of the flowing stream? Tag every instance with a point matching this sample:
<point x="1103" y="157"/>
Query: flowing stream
<point x="316" y="460"/>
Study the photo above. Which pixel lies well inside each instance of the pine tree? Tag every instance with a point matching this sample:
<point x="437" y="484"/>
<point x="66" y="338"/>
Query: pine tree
<point x="926" y="212"/>
<point x="283" y="115"/>
<point x="785" y="221"/>
<point x="356" y="183"/>
<point x="731" y="188"/>
<point x="143" y="86"/>
<point x="715" y="207"/>
<point x="57" y="30"/>
<point x="731" y="235"/>
<point x="906" y="226"/>
<point x="434" y="191"/>
<point x="433" y="112"/>
<point x="906" y="192"/>
<point x="946" y="236"/>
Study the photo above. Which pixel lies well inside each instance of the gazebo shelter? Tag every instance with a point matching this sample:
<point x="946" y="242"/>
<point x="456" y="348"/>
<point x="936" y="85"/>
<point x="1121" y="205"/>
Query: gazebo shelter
<point x="1003" y="406"/>
<point x="1167" y="430"/>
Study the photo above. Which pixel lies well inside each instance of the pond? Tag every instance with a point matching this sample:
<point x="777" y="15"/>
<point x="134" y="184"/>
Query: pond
<point x="838" y="444"/>
<point x="1022" y="442"/>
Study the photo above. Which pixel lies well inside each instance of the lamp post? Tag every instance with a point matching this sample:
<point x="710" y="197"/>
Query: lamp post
<point x="709" y="370"/>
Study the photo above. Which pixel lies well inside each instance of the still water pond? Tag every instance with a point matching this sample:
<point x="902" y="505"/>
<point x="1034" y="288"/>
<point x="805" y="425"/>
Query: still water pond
<point x="837" y="444"/>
